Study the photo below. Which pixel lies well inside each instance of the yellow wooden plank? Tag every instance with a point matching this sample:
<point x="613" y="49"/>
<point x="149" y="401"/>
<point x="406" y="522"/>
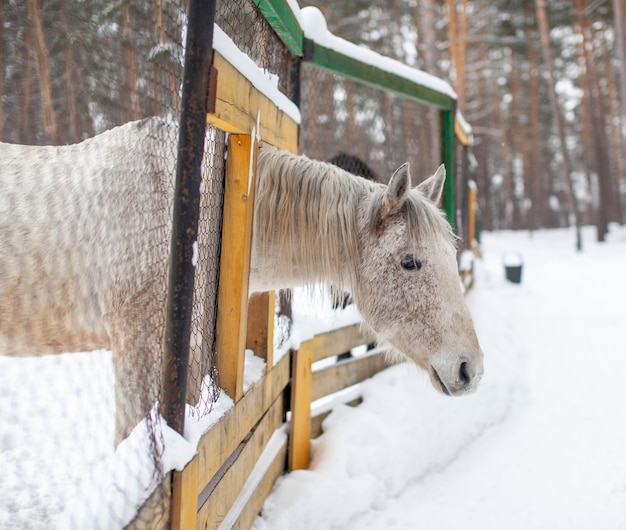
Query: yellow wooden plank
<point x="471" y="221"/>
<point x="235" y="265"/>
<point x="260" y="337"/>
<point x="461" y="135"/>
<point x="223" y="438"/>
<point x="185" y="497"/>
<point x="300" y="428"/>
<point x="254" y="505"/>
<point x="345" y="374"/>
<point x="338" y="341"/>
<point x="239" y="105"/>
<point x="213" y="511"/>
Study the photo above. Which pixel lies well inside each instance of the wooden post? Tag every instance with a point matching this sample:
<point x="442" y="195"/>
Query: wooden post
<point x="300" y="428"/>
<point x="472" y="217"/>
<point x="260" y="339"/>
<point x="185" y="497"/>
<point x="235" y="263"/>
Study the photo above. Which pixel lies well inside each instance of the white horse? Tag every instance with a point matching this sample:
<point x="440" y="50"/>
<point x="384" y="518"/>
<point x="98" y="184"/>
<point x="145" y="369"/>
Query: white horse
<point x="84" y="240"/>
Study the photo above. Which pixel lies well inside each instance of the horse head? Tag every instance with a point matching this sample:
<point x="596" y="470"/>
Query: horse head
<point x="407" y="287"/>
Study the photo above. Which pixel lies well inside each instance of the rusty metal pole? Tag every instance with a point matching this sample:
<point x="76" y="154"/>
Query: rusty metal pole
<point x="198" y="57"/>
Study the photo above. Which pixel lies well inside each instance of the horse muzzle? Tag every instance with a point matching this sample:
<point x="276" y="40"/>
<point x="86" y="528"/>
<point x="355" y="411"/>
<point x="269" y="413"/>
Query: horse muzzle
<point x="456" y="378"/>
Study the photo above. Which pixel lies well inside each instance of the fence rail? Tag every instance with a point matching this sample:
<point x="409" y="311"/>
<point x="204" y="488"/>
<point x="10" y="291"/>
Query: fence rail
<point x="241" y="456"/>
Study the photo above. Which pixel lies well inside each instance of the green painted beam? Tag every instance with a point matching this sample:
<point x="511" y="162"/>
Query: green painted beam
<point x="284" y="23"/>
<point x="448" y="156"/>
<point x="370" y="75"/>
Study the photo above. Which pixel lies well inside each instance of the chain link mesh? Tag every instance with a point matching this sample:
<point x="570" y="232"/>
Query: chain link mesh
<point x="69" y="71"/>
<point x="365" y="130"/>
<point x="244" y="23"/>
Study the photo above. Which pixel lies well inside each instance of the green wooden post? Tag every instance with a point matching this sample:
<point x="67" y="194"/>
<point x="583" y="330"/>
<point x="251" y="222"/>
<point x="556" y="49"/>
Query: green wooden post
<point x="448" y="157"/>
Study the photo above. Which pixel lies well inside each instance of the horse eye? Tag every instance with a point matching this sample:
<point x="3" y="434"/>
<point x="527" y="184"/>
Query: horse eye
<point x="409" y="263"/>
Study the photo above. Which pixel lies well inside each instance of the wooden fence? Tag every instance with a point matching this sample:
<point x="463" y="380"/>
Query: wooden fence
<point x="242" y="455"/>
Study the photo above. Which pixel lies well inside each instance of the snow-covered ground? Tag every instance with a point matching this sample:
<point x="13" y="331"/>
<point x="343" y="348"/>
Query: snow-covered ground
<point x="542" y="444"/>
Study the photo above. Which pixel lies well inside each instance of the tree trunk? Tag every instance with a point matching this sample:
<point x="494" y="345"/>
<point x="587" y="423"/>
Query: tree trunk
<point x="516" y="131"/>
<point x="171" y="77"/>
<point x="130" y="58"/>
<point x="598" y="133"/>
<point x="619" y="18"/>
<point x="426" y="22"/>
<point x="70" y="87"/>
<point x="544" y="32"/>
<point x="452" y="39"/>
<point x="49" y="120"/>
<point x="457" y="37"/>
<point x="461" y="58"/>
<point x="614" y="128"/>
<point x="539" y="184"/>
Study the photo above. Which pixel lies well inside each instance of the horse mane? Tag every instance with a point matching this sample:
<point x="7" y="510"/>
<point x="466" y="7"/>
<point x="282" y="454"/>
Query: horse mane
<point x="307" y="210"/>
<point x="306" y="213"/>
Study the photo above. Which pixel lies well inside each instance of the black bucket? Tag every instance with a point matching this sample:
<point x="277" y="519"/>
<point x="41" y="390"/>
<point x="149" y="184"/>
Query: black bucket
<point x="513" y="265"/>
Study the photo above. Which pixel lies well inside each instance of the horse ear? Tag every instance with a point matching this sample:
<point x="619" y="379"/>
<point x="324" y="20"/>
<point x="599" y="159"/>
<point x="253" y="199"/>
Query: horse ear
<point x="432" y="187"/>
<point x="397" y="189"/>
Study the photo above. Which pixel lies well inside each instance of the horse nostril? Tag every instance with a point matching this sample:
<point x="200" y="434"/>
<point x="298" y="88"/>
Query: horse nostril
<point x="464" y="373"/>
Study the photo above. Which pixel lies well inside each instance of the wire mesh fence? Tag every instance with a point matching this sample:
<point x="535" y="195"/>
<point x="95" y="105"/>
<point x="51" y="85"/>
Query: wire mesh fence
<point x="244" y="23"/>
<point x="365" y="130"/>
<point x="85" y="233"/>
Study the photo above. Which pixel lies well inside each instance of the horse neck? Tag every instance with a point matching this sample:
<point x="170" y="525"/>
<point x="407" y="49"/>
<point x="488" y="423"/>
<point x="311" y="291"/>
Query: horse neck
<point x="305" y="223"/>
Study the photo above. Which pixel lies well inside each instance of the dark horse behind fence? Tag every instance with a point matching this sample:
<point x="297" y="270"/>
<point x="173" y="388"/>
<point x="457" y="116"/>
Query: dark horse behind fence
<point x="84" y="239"/>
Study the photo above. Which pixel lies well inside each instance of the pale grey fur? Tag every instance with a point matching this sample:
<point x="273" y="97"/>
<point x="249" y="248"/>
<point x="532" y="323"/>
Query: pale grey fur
<point x="84" y="236"/>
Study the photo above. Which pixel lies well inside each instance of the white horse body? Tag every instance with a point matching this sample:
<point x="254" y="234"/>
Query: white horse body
<point x="84" y="237"/>
<point x="68" y="215"/>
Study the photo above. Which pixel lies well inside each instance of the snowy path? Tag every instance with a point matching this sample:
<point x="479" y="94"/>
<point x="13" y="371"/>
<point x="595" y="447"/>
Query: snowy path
<point x="548" y="453"/>
<point x="558" y="461"/>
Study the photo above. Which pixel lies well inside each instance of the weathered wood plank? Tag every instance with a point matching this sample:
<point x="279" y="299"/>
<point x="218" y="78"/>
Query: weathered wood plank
<point x="300" y="428"/>
<point x="255" y="503"/>
<point x="185" y="497"/>
<point x="345" y="374"/>
<point x="338" y="341"/>
<point x="239" y="106"/>
<point x="213" y="511"/>
<point x="260" y="336"/>
<point x="223" y="438"/>
<point x="235" y="264"/>
<point x="461" y="134"/>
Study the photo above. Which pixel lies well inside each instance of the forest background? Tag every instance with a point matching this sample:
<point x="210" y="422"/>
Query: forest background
<point x="542" y="83"/>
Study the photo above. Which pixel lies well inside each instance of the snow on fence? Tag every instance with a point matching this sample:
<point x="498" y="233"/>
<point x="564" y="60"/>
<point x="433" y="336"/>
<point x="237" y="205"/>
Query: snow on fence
<point x="278" y="77"/>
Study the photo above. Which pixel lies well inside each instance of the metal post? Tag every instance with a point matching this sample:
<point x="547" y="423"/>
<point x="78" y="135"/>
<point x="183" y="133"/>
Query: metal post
<point x="198" y="57"/>
<point x="448" y="156"/>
